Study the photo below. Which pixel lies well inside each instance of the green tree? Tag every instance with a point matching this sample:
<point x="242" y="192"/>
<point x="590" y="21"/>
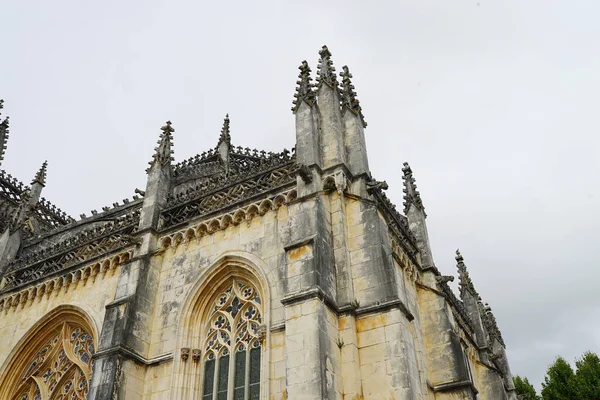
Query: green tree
<point x="525" y="390"/>
<point x="559" y="383"/>
<point x="587" y="377"/>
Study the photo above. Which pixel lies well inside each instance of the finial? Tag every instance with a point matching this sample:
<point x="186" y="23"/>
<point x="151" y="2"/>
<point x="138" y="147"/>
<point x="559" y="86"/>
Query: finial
<point x="40" y="176"/>
<point x="465" y="282"/>
<point x="411" y="194"/>
<point x="225" y="136"/>
<point x="163" y="153"/>
<point x="325" y="70"/>
<point x="348" y="95"/>
<point x="304" y="90"/>
<point x="3" y="133"/>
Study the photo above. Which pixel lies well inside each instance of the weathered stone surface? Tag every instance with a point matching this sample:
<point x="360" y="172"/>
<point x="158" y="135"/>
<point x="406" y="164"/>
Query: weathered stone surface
<point x="297" y="260"/>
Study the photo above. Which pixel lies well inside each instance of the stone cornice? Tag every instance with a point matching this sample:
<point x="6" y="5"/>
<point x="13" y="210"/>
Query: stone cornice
<point x="132" y="355"/>
<point x="454" y="386"/>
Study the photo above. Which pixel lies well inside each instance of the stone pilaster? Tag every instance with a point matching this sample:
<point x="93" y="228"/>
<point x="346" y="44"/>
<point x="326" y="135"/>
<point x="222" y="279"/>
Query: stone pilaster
<point x="125" y="335"/>
<point x="447" y="370"/>
<point x="313" y="365"/>
<point x="9" y="247"/>
<point x="10" y="241"/>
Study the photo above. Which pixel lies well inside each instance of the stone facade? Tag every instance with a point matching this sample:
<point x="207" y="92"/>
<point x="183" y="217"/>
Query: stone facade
<point x="241" y="274"/>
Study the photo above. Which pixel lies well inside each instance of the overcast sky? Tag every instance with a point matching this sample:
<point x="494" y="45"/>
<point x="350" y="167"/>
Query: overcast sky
<point x="493" y="103"/>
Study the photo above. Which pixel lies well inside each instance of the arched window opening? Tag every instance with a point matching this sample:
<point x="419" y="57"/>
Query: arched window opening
<point x="232" y="344"/>
<point x="60" y="369"/>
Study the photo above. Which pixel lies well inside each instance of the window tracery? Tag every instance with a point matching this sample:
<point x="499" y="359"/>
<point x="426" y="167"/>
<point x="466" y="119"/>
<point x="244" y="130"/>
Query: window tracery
<point x="232" y="345"/>
<point x="61" y="369"/>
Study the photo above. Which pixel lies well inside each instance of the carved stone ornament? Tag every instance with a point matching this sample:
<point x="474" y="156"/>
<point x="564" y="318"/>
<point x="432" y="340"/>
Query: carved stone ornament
<point x="185" y="353"/>
<point x="262" y="333"/>
<point x="373" y="185"/>
<point x="196" y="355"/>
<point x="340" y="182"/>
<point x="305" y="174"/>
<point x="444" y="279"/>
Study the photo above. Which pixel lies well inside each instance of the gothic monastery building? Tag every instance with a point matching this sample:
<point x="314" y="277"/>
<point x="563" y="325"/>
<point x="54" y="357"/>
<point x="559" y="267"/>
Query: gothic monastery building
<point x="242" y="275"/>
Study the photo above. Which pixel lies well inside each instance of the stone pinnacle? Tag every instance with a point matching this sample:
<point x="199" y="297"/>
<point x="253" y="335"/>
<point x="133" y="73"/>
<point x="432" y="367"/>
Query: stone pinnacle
<point x="465" y="283"/>
<point x="163" y="154"/>
<point x="325" y="70"/>
<point x="225" y="134"/>
<point x="40" y="176"/>
<point x="304" y="90"/>
<point x="411" y="194"/>
<point x="348" y="95"/>
<point x="3" y="133"/>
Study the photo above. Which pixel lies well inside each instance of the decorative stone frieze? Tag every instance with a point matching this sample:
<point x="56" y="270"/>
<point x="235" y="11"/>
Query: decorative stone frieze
<point x="220" y="222"/>
<point x="46" y="287"/>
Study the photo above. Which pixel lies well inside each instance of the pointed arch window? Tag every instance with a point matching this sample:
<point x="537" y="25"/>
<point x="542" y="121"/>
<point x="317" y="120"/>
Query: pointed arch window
<point x="60" y="369"/>
<point x="232" y="344"/>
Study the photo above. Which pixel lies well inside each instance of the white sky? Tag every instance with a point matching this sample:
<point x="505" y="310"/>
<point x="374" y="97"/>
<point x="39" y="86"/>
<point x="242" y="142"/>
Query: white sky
<point x="493" y="103"/>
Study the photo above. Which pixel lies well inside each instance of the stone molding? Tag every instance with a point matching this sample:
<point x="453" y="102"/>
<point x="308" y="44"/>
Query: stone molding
<point x="131" y="355"/>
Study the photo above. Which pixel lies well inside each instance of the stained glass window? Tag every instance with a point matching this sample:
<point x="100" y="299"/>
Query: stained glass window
<point x="61" y="368"/>
<point x="232" y="348"/>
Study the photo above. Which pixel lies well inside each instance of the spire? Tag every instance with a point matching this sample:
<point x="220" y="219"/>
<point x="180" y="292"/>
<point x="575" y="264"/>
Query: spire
<point x="40" y="176"/>
<point x="325" y="70"/>
<point x="225" y="136"/>
<point x="163" y="153"/>
<point x="304" y="90"/>
<point x="348" y="96"/>
<point x="3" y="133"/>
<point x="465" y="283"/>
<point x="411" y="194"/>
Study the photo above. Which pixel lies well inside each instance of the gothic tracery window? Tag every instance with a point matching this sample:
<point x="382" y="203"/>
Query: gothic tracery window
<point x="61" y="368"/>
<point x="232" y="345"/>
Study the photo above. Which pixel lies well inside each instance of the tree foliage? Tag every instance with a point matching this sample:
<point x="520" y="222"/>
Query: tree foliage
<point x="564" y="383"/>
<point x="559" y="381"/>
<point x="586" y="381"/>
<point x="525" y="390"/>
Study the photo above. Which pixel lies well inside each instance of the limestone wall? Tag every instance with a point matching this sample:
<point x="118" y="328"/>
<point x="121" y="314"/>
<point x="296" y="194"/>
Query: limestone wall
<point x="371" y="333"/>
